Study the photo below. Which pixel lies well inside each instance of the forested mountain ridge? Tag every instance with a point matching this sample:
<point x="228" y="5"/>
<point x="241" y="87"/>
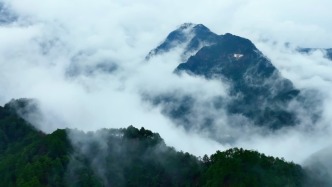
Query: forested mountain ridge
<point x="29" y="157"/>
<point x="125" y="157"/>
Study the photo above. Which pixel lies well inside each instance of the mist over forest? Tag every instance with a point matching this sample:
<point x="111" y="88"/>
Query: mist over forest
<point x="183" y="93"/>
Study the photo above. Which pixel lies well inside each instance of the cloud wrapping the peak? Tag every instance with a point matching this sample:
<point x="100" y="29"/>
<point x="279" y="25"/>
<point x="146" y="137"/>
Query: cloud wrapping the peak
<point x="50" y="53"/>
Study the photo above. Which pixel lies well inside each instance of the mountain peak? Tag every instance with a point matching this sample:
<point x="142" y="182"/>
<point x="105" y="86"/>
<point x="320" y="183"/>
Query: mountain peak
<point x="237" y="43"/>
<point x="186" y="26"/>
<point x="193" y="26"/>
<point x="191" y="37"/>
<point x="231" y="57"/>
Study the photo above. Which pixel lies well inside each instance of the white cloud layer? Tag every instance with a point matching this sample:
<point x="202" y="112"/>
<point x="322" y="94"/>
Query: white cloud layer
<point x="53" y="35"/>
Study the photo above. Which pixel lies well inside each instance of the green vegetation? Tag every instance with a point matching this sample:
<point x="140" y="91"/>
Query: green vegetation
<point x="29" y="157"/>
<point x="238" y="167"/>
<point x="125" y="157"/>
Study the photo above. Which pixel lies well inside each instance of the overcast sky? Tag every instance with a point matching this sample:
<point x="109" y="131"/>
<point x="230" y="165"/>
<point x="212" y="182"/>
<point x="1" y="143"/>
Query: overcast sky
<point x="51" y="36"/>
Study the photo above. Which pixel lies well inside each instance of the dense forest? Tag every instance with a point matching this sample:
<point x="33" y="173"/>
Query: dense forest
<point x="125" y="157"/>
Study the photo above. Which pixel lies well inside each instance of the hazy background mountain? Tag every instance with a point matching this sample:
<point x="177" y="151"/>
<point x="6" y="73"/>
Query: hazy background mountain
<point x="326" y="52"/>
<point x="6" y="16"/>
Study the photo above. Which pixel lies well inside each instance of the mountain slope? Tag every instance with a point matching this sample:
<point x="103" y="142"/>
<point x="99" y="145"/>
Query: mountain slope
<point x="260" y="92"/>
<point x="29" y="157"/>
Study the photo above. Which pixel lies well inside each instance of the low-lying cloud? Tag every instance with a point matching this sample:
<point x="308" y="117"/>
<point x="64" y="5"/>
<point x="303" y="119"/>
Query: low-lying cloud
<point x="51" y="50"/>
